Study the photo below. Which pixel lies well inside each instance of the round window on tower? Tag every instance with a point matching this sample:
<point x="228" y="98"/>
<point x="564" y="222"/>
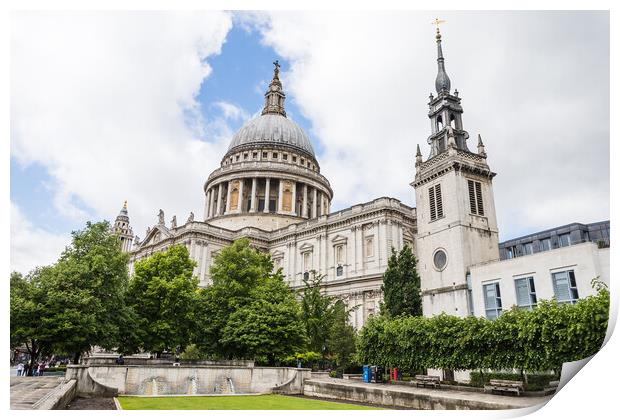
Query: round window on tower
<point x="440" y="259"/>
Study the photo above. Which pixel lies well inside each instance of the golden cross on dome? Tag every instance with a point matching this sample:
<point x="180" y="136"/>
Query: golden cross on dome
<point x="437" y="22"/>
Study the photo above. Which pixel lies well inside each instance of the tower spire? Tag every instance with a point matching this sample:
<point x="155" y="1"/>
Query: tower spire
<point x="442" y="81"/>
<point x="274" y="97"/>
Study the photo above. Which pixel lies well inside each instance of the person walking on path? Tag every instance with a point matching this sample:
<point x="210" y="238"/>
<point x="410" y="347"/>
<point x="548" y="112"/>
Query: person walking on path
<point x="41" y="369"/>
<point x="20" y="369"/>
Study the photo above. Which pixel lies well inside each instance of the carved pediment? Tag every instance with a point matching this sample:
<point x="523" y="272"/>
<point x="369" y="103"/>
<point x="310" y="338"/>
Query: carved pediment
<point x="339" y="239"/>
<point x="277" y="254"/>
<point x="306" y="247"/>
<point x="156" y="235"/>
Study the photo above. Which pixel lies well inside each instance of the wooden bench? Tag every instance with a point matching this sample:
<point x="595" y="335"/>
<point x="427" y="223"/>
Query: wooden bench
<point x="425" y="380"/>
<point x="504" y="386"/>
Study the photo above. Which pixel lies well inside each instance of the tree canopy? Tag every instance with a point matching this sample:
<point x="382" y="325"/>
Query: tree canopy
<point x="326" y="322"/>
<point x="401" y="285"/>
<point x="162" y="295"/>
<point x="250" y="311"/>
<point x="76" y="303"/>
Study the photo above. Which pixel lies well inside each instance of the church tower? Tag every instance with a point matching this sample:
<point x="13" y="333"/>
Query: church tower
<point x="123" y="230"/>
<point x="456" y="219"/>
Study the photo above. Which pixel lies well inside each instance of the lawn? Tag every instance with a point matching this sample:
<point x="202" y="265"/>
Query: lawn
<point x="245" y="402"/>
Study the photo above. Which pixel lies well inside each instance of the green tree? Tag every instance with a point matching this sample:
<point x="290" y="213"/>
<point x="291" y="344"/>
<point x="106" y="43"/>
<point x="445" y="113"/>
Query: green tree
<point x="248" y="311"/>
<point x="401" y="285"/>
<point x="76" y="303"/>
<point x="28" y="305"/>
<point x="270" y="327"/>
<point x="326" y="322"/>
<point x="162" y="294"/>
<point x="87" y="289"/>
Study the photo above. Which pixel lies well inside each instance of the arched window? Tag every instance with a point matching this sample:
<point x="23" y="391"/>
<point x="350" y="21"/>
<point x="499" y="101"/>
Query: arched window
<point x="439" y="123"/>
<point x="452" y="121"/>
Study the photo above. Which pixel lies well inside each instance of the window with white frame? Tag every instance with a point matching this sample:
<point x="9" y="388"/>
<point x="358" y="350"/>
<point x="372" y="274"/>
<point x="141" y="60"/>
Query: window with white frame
<point x="565" y="286"/>
<point x="526" y="292"/>
<point x="492" y="300"/>
<point x="545" y="244"/>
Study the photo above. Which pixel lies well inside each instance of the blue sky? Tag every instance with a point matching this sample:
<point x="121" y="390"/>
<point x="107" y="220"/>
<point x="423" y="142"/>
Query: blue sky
<point x="141" y="107"/>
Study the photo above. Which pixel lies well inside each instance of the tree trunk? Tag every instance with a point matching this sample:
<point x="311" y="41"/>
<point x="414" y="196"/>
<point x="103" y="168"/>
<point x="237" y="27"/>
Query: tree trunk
<point x="76" y="358"/>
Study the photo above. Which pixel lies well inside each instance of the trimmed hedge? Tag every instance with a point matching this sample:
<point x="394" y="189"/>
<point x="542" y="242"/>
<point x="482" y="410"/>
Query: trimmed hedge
<point x="535" y="340"/>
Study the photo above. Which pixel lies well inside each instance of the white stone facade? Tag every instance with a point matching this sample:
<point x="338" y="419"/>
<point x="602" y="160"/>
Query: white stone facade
<point x="269" y="189"/>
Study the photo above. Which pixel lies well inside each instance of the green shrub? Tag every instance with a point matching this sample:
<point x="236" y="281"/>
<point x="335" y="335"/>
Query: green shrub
<point x="191" y="352"/>
<point x="536" y="341"/>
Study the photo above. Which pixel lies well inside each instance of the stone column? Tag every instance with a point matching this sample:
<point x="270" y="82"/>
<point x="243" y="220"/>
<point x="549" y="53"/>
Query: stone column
<point x="218" y="209"/>
<point x="240" y="203"/>
<point x="213" y="202"/>
<point x="304" y="209"/>
<point x="267" y="192"/>
<point x="294" y="201"/>
<point x="314" y="198"/>
<point x="253" y="197"/>
<point x="228" y="198"/>
<point x="207" y="204"/>
<point x="280" y="194"/>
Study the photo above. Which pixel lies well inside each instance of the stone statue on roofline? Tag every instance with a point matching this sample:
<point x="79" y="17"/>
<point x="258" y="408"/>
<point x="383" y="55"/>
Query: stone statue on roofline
<point x="173" y="222"/>
<point x="190" y="219"/>
<point x="161" y="217"/>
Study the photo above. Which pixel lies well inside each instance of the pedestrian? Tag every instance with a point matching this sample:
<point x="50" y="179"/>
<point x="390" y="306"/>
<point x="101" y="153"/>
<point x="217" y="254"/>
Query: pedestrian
<point x="20" y="368"/>
<point x="41" y="369"/>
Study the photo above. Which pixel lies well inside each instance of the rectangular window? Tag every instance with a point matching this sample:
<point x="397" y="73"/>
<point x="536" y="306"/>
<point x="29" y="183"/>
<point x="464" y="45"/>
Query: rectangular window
<point x="528" y="249"/>
<point x="264" y="155"/>
<point x="275" y="155"/>
<point x="306" y="261"/>
<point x="369" y="247"/>
<point x="339" y="254"/>
<point x="475" y="197"/>
<point x="439" y="202"/>
<point x="526" y="292"/>
<point x="545" y="244"/>
<point x="294" y="158"/>
<point x="254" y="155"/>
<point x="565" y="239"/>
<point x="511" y="252"/>
<point x="492" y="300"/>
<point x="565" y="287"/>
<point x="431" y="199"/>
<point x="435" y="202"/>
<point x="472" y="197"/>
<point x="284" y="156"/>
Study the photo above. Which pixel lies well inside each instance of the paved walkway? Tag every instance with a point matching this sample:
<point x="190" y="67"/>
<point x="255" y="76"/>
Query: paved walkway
<point x="26" y="391"/>
<point x="500" y="401"/>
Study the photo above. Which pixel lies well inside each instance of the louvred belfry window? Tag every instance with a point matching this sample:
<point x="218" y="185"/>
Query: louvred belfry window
<point x="475" y="197"/>
<point x="435" y="201"/>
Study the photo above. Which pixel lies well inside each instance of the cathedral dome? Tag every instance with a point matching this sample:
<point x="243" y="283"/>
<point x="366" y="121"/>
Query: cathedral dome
<point x="270" y="130"/>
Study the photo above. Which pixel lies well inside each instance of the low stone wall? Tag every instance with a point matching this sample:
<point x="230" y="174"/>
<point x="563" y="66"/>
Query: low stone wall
<point x="185" y="380"/>
<point x="137" y="360"/>
<point x="59" y="398"/>
<point x="394" y="397"/>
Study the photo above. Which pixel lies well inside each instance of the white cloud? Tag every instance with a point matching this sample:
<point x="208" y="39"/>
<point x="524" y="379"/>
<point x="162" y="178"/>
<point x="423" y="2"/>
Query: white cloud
<point x="33" y="247"/>
<point x="232" y="111"/>
<point x="535" y="85"/>
<point x="106" y="102"/>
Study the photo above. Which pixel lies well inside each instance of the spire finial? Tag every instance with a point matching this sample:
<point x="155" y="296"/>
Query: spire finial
<point x="481" y="150"/>
<point x="418" y="156"/>
<point x="442" y="82"/>
<point x="274" y="97"/>
<point x="276" y="70"/>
